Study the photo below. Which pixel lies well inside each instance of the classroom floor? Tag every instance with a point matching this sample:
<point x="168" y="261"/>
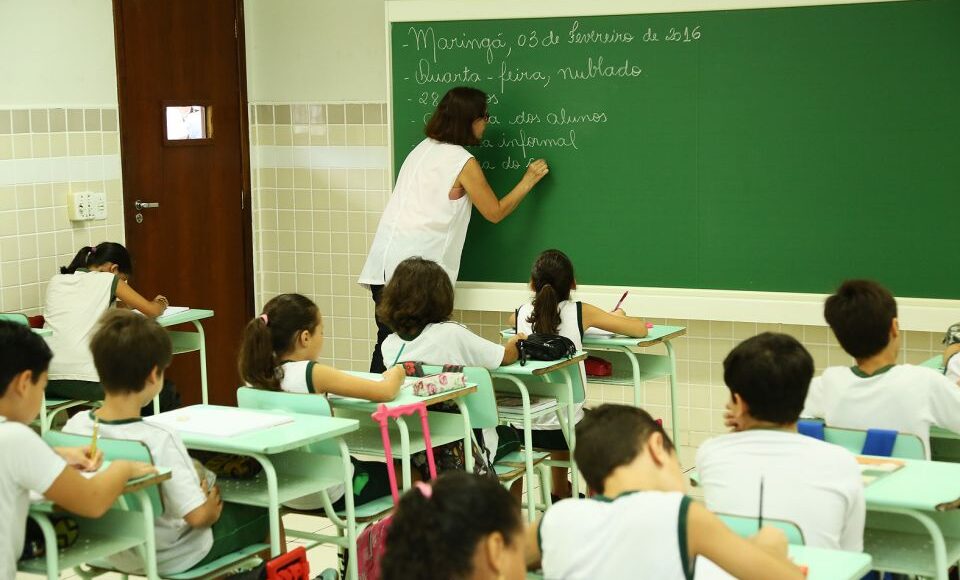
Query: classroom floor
<point x="326" y="556"/>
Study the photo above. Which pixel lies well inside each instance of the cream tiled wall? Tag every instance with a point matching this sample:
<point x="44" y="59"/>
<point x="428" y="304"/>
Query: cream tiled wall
<point x="44" y="154"/>
<point x="320" y="184"/>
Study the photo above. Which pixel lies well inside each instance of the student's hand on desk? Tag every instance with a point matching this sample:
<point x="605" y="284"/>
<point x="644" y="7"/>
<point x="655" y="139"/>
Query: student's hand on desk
<point x="137" y="469"/>
<point x="79" y="458"/>
<point x="772" y="541"/>
<point x="162" y="301"/>
<point x="395" y="376"/>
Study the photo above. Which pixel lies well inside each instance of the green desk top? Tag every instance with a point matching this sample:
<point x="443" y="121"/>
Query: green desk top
<point x="304" y="429"/>
<point x="826" y="564"/>
<point x="404" y="397"/>
<point x="186" y="316"/>
<point x="43" y="331"/>
<point x="935" y="363"/>
<point x="919" y="485"/>
<point x="656" y="335"/>
<point x="538" y="367"/>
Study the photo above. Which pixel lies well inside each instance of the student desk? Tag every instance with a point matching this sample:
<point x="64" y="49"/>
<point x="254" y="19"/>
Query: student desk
<point x="532" y="379"/>
<point x="186" y="341"/>
<point x="923" y="498"/>
<point x="288" y="473"/>
<point x="116" y="531"/>
<point x="643" y="366"/>
<point x="443" y="426"/>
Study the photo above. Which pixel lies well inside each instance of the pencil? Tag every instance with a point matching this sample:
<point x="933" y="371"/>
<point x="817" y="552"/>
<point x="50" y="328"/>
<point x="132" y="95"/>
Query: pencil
<point x="620" y="303"/>
<point x="93" y="441"/>
<point x="760" y="511"/>
<point x="400" y="352"/>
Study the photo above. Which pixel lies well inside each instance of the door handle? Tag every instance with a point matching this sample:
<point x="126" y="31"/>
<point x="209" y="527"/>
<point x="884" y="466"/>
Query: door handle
<point x="142" y="205"/>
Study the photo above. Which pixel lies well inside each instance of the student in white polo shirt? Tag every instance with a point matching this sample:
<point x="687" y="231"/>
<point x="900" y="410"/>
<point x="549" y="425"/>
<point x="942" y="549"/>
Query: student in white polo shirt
<point x="28" y="464"/>
<point x="951" y="362"/>
<point x="641" y="525"/>
<point x="878" y="393"/>
<point x="814" y="484"/>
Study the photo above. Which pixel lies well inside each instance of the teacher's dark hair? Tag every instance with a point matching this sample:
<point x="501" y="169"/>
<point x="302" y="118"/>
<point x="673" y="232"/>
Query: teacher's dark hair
<point x="419" y="293"/>
<point x="452" y="122"/>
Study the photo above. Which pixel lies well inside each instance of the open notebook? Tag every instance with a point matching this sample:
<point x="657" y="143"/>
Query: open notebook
<point x="218" y="422"/>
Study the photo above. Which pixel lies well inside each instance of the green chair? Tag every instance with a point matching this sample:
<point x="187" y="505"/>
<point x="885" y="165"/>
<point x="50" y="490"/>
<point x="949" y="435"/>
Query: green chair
<point x="745" y="527"/>
<point x="50" y="407"/>
<point x="350" y="521"/>
<point x="907" y="446"/>
<point x="150" y="503"/>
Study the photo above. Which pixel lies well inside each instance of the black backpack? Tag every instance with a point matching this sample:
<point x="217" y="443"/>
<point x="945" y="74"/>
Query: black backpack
<point x="545" y="347"/>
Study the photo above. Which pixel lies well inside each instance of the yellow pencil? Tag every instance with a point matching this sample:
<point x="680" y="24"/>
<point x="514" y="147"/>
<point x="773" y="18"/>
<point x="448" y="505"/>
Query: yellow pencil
<point x="93" y="442"/>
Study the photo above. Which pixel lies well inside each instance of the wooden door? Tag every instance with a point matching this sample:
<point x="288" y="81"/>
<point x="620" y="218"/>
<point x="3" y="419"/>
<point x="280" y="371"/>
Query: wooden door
<point x="187" y="57"/>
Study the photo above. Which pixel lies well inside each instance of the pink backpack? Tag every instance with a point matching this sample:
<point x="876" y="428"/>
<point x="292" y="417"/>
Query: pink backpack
<point x="372" y="542"/>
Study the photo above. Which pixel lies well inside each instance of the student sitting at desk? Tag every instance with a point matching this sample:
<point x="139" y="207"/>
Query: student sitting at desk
<point x="28" y="464"/>
<point x="641" y="525"/>
<point x="951" y="362"/>
<point x="460" y="526"/>
<point x="279" y="353"/>
<point x="877" y="393"/>
<point x="416" y="305"/>
<point x="814" y="484"/>
<point x="96" y="279"/>
<point x="131" y="353"/>
<point x="552" y="312"/>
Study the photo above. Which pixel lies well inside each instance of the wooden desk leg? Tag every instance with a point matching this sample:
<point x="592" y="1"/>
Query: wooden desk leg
<point x="203" y="361"/>
<point x="467" y="434"/>
<point x="674" y="412"/>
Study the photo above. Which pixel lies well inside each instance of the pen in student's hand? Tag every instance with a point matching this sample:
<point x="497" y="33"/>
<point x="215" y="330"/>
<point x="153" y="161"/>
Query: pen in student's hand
<point x="760" y="511"/>
<point x="92" y="452"/>
<point x="396" y="360"/>
<point x="622" y="298"/>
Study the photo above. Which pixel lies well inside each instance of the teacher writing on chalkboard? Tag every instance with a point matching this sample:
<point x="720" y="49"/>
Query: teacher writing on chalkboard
<point x="438" y="183"/>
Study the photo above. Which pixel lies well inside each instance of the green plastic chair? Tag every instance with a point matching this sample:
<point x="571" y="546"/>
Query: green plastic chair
<point x="50" y="407"/>
<point x="907" y="446"/>
<point x="747" y="526"/>
<point x="150" y="502"/>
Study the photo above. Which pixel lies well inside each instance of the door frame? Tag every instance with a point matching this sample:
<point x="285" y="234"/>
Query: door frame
<point x="246" y="198"/>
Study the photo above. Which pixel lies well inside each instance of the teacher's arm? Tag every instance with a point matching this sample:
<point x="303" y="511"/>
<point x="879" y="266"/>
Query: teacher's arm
<point x="475" y="183"/>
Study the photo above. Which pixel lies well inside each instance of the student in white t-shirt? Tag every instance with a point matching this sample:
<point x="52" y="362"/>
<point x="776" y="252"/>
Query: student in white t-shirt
<point x="878" y="393"/>
<point x="951" y="362"/>
<point x="131" y="353"/>
<point x="816" y="485"/>
<point x="553" y="312"/>
<point x="279" y="352"/>
<point x="641" y="524"/>
<point x="95" y="280"/>
<point x="28" y="464"/>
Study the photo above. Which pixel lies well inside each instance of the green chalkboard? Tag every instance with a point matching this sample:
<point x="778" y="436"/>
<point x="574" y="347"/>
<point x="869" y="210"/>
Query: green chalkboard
<point x="767" y="149"/>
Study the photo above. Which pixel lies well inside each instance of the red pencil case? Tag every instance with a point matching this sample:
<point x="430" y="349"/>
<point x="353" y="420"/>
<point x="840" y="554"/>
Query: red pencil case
<point x="597" y="367"/>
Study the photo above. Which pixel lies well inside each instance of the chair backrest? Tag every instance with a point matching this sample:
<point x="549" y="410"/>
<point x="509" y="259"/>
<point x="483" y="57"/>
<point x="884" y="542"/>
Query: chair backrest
<point x="482" y="405"/>
<point x="113" y="449"/>
<point x="15" y="317"/>
<point x="303" y="403"/>
<point x="747" y="526"/>
<point x="907" y="445"/>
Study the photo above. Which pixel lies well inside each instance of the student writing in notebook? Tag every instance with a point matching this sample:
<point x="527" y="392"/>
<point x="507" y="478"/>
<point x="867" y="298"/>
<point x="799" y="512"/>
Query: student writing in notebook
<point x="551" y="311"/>
<point x="279" y="352"/>
<point x="131" y="353"/>
<point x="96" y="280"/>
<point x="28" y="464"/>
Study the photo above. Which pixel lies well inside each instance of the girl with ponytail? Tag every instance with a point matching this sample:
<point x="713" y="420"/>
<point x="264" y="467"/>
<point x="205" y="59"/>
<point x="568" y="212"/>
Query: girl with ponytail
<point x="76" y="298"/>
<point x="553" y="312"/>
<point x="460" y="527"/>
<point x="279" y="352"/>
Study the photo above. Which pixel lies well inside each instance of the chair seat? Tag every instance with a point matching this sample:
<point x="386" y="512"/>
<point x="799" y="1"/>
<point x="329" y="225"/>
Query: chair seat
<point x="368" y="512"/>
<point x="518" y="458"/>
<point x="221" y="565"/>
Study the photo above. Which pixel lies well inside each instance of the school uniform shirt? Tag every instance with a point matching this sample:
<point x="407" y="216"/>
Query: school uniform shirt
<point x="905" y="398"/>
<point x="298" y="378"/>
<point x="420" y="219"/>
<point x="813" y="484"/>
<point x="73" y="306"/>
<point x="636" y="535"/>
<point x="445" y="343"/>
<point x="26" y="464"/>
<point x="952" y="369"/>
<point x="571" y="326"/>
<point x="179" y="546"/>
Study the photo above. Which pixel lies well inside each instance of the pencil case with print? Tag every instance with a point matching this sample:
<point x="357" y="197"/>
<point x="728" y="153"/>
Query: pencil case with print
<point x="439" y="383"/>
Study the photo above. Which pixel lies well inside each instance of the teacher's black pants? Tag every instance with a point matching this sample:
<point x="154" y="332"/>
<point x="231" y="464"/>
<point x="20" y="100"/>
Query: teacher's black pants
<point x="383" y="331"/>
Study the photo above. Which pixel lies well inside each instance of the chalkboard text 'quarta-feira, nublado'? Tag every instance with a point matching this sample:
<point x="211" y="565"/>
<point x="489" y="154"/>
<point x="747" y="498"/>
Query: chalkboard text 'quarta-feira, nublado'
<point x="761" y="149"/>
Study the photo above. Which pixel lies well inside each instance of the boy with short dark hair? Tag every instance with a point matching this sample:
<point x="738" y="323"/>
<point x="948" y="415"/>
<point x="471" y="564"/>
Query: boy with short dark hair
<point x="641" y="519"/>
<point x="27" y="463"/>
<point x="131" y="353"/>
<point x="877" y="393"/>
<point x="816" y="485"/>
